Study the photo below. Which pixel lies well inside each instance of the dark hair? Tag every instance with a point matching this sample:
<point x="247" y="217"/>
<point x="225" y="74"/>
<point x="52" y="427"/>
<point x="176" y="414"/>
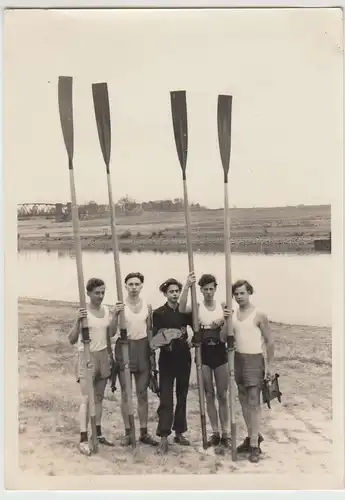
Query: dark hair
<point x="171" y="281"/>
<point x="94" y="283"/>
<point x="134" y="275"/>
<point x="245" y="283"/>
<point x="207" y="279"/>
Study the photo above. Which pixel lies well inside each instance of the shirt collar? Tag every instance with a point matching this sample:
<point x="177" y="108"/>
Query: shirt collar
<point x="170" y="308"/>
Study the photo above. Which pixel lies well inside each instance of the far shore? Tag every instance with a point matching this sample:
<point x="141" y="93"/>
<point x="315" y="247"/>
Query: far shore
<point x="255" y="230"/>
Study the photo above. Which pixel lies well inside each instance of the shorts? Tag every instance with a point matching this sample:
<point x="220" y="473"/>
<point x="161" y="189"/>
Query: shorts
<point x="139" y="355"/>
<point x="249" y="369"/>
<point x="214" y="356"/>
<point x="100" y="362"/>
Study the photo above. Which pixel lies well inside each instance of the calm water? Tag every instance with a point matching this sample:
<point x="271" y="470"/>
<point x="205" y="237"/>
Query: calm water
<point x="285" y="285"/>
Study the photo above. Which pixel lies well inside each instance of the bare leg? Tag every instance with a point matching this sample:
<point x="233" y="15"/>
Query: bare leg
<point x="210" y="398"/>
<point x="222" y="382"/>
<point x="141" y="385"/>
<point x="84" y="446"/>
<point x="84" y="414"/>
<point x="100" y="386"/>
<point x="255" y="414"/>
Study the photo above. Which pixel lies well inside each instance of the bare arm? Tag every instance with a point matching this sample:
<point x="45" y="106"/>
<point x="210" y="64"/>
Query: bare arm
<point x="183" y="308"/>
<point x="224" y="324"/>
<point x="74" y="333"/>
<point x="268" y="337"/>
<point x="149" y="325"/>
<point x="113" y="325"/>
<point x="151" y="330"/>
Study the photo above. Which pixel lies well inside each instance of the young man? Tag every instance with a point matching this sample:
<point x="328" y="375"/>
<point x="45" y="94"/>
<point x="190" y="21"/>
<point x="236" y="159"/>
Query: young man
<point x="212" y="315"/>
<point x="250" y="328"/>
<point x="139" y="332"/>
<point x="102" y="326"/>
<point x="174" y="364"/>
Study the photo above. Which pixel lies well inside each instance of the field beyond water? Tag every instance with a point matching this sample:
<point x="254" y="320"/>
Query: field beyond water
<point x="297" y="432"/>
<point x="270" y="230"/>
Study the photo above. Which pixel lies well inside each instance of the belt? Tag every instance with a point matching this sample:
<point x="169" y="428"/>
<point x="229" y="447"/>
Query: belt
<point x="210" y="336"/>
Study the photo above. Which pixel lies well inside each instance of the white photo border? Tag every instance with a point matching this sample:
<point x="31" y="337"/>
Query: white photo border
<point x="8" y="218"/>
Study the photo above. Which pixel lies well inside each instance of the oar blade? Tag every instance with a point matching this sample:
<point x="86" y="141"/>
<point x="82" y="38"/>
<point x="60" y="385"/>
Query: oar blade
<point x="224" y="116"/>
<point x="102" y="114"/>
<point x="65" y="97"/>
<point x="179" y="117"/>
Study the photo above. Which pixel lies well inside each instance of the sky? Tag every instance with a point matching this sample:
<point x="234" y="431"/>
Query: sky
<point x="282" y="67"/>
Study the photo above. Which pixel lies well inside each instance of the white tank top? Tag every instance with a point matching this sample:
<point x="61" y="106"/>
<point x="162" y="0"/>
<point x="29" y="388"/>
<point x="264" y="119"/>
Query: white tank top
<point x="98" y="331"/>
<point x="206" y="317"/>
<point x="248" y="335"/>
<point x="136" y="322"/>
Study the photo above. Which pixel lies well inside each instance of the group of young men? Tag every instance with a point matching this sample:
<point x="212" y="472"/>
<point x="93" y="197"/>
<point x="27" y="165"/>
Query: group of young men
<point x="166" y="329"/>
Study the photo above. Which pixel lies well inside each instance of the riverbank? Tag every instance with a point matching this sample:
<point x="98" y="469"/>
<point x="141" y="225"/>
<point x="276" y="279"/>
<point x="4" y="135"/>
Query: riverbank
<point x="259" y="230"/>
<point x="297" y="431"/>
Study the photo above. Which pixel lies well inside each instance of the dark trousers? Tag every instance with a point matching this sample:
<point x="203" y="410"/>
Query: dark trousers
<point x="173" y="366"/>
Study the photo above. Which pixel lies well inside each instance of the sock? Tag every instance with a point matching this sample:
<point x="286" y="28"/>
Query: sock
<point x="128" y="432"/>
<point x="83" y="437"/>
<point x="225" y="435"/>
<point x="143" y="431"/>
<point x="99" y="430"/>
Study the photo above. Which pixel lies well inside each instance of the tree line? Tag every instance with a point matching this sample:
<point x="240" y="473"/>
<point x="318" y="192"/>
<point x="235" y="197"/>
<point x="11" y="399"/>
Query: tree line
<point x="125" y="205"/>
<point x="128" y="205"/>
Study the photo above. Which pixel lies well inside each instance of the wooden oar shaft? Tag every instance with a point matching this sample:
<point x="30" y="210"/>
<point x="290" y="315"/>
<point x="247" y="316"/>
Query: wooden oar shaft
<point x="123" y="329"/>
<point x="227" y="248"/>
<point x="196" y="328"/>
<point x="77" y="241"/>
<point x="190" y="256"/>
<point x="102" y="115"/>
<point x="65" y="102"/>
<point x="116" y="252"/>
<point x="82" y="300"/>
<point x="179" y="116"/>
<point x="230" y="340"/>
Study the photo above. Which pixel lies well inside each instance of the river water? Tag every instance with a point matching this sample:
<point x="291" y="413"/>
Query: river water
<point x="289" y="288"/>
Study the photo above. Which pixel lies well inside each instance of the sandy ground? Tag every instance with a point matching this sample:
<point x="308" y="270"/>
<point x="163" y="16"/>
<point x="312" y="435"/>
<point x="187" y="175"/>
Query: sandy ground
<point x="298" y="432"/>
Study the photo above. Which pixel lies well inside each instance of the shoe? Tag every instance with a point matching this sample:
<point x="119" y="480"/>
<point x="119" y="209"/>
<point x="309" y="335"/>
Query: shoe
<point x="254" y="454"/>
<point x="214" y="440"/>
<point x="245" y="446"/>
<point x="126" y="440"/>
<point x="147" y="439"/>
<point x="181" y="440"/>
<point x="163" y="446"/>
<point x="104" y="441"/>
<point x="225" y="442"/>
<point x="85" y="449"/>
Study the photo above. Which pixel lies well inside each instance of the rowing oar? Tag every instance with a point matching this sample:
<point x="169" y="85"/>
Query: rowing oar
<point x="102" y="114"/>
<point x="224" y="138"/>
<point x="179" y="117"/>
<point x="65" y="97"/>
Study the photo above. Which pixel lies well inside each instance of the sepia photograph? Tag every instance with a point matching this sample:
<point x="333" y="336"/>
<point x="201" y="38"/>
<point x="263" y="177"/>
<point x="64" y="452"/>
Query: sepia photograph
<point x="175" y="178"/>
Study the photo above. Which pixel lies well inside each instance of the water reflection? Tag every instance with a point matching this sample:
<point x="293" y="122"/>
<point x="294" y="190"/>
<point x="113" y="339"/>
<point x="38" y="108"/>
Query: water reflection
<point x="284" y="284"/>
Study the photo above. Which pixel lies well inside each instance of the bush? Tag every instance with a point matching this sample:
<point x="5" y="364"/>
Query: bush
<point x="126" y="235"/>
